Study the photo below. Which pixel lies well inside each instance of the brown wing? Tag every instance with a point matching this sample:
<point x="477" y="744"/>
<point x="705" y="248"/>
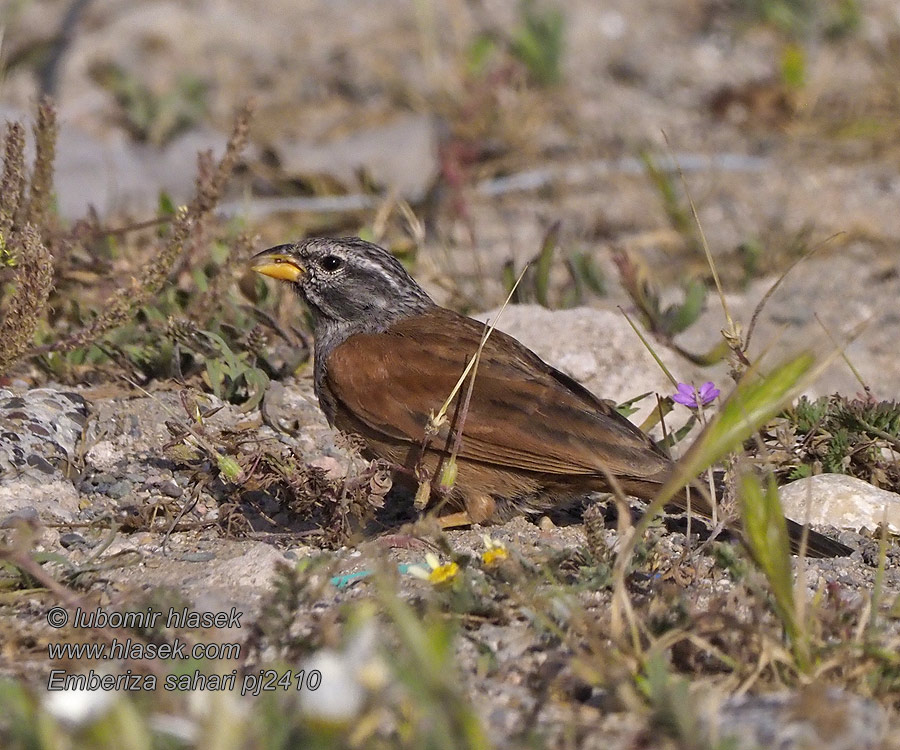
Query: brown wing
<point x="523" y="414"/>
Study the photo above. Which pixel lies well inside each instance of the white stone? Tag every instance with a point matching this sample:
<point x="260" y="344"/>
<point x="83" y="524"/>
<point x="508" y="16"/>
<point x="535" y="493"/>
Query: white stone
<point x="842" y="501"/>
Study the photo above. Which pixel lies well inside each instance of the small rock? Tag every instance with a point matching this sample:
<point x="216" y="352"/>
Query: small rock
<point x="253" y="569"/>
<point x="842" y="501"/>
<point x="118" y="490"/>
<point x="40" y="463"/>
<point x="104" y="453"/>
<point x="170" y="489"/>
<point x="39" y="430"/>
<point x="71" y="540"/>
<point x="333" y="468"/>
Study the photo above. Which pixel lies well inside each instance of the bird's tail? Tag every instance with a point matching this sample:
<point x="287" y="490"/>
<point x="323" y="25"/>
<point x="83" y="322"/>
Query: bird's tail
<point x="817" y="545"/>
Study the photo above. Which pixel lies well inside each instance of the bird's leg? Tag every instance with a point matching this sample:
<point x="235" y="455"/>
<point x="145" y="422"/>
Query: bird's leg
<point x="479" y="509"/>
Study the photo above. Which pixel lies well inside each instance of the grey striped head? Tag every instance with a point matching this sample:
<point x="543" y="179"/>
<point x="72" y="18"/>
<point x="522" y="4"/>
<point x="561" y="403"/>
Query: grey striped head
<point x="348" y="284"/>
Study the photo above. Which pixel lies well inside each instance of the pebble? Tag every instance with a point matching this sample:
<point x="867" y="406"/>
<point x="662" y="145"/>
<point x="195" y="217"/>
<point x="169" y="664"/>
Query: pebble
<point x="170" y="489"/>
<point x="71" y="539"/>
<point x="822" y="717"/>
<point x="119" y="489"/>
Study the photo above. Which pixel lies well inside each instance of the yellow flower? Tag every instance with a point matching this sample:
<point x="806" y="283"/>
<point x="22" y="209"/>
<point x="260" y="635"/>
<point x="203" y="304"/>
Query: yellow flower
<point x="495" y="551"/>
<point x="437" y="572"/>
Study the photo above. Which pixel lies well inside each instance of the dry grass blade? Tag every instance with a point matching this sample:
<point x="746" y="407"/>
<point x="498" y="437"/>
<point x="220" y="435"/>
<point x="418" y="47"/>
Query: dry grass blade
<point x="34" y="281"/>
<point x="649" y="348"/>
<point x="732" y="330"/>
<point x="844" y="356"/>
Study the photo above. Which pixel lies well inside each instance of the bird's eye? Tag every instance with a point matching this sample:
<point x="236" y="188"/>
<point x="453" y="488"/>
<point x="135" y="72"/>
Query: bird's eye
<point x="331" y="262"/>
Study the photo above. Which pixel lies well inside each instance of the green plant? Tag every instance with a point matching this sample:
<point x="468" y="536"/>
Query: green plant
<point x="150" y="325"/>
<point x="665" y="323"/>
<point x="797" y="19"/>
<point x="230" y="376"/>
<point x="152" y="116"/>
<point x="838" y="435"/>
<point x="670" y="702"/>
<point x="538" y="42"/>
<point x="678" y="213"/>
<point x="535" y="284"/>
<point x="767" y="537"/>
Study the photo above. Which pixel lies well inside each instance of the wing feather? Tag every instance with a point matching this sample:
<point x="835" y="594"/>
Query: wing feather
<point x="523" y="413"/>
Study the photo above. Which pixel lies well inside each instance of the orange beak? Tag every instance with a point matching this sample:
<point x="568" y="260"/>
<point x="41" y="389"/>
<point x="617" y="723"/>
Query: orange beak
<point x="277" y="264"/>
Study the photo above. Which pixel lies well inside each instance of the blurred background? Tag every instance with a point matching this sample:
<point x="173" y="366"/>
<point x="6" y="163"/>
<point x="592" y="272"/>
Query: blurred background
<point x="473" y="136"/>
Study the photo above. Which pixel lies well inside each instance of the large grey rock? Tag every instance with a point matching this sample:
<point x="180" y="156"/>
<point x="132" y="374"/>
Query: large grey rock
<point x="39" y="430"/>
<point x="842" y="501"/>
<point x="55" y="500"/>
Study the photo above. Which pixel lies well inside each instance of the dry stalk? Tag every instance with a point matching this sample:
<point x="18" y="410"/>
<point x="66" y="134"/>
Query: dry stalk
<point x="189" y="225"/>
<point x="34" y="281"/>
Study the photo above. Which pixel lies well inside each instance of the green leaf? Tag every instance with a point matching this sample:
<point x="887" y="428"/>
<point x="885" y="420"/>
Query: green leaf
<point x="793" y="66"/>
<point x="235" y="366"/>
<point x="538" y="43"/>
<point x="257" y="383"/>
<point x="216" y="373"/>
<point x="166" y="206"/>
<point x="230" y="468"/>
<point x="627" y="408"/>
<point x="509" y="278"/>
<point x="766" y="534"/>
<point x="679" y="318"/>
<point x="585" y="273"/>
<point x="479" y="54"/>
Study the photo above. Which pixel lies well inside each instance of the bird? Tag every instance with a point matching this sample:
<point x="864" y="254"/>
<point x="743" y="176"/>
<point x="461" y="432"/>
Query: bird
<point x="387" y="358"/>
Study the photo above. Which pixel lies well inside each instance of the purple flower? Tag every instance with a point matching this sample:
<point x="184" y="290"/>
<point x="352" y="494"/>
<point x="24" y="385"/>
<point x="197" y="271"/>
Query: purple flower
<point x="693" y="398"/>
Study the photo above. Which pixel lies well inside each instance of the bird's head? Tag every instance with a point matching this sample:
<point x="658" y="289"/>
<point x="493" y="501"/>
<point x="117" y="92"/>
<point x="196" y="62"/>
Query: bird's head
<point x="347" y="283"/>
